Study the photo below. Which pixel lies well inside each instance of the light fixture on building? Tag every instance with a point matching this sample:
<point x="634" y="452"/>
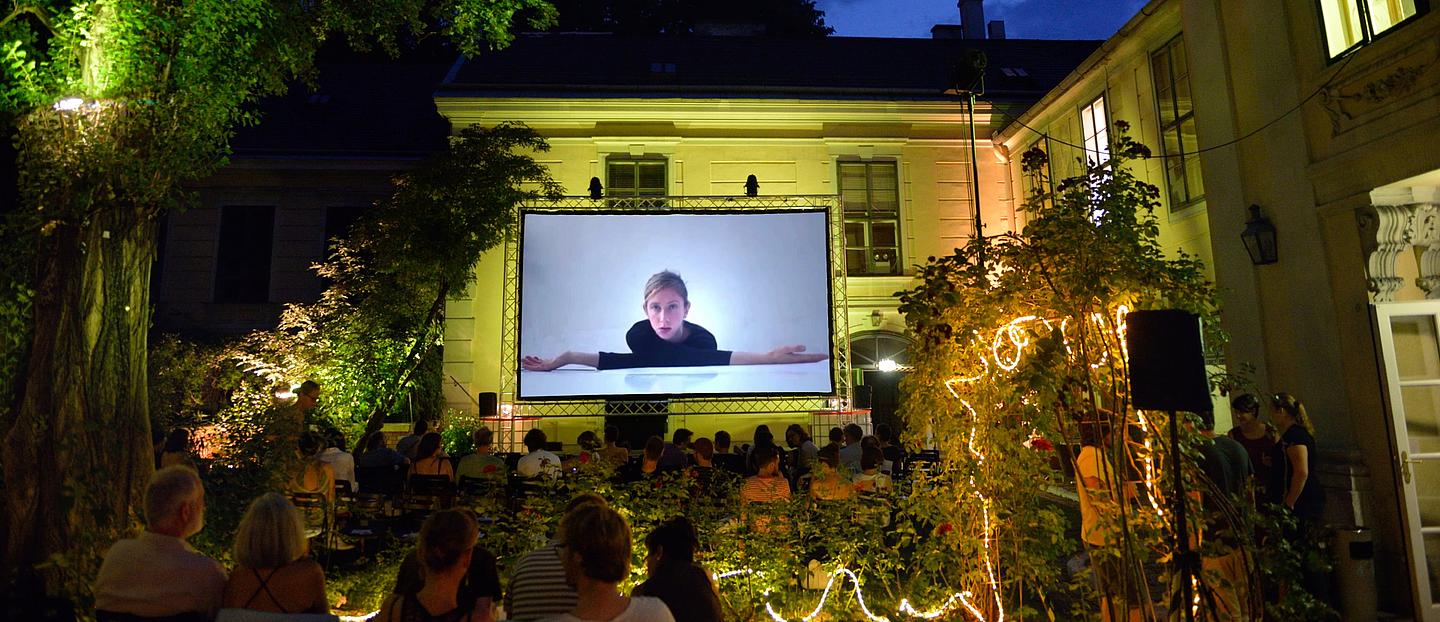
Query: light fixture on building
<point x="1259" y="238"/>
<point x="887" y="365"/>
<point x="752" y="186"/>
<point x="596" y="190"/>
<point x="876" y="317"/>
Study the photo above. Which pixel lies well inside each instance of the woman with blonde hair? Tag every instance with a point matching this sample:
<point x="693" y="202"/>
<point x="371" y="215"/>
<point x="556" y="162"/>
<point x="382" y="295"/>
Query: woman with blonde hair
<point x="1297" y="435"/>
<point x="273" y="571"/>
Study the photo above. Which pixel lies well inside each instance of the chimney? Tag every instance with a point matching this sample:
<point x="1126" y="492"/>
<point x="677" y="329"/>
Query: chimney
<point x="972" y="18"/>
<point x="996" y="28"/>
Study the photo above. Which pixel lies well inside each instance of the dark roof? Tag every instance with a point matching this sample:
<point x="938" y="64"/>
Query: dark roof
<point x="364" y="110"/>
<point x="574" y="64"/>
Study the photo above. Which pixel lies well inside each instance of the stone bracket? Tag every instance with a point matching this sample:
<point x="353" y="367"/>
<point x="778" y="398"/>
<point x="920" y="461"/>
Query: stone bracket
<point x="1389" y="230"/>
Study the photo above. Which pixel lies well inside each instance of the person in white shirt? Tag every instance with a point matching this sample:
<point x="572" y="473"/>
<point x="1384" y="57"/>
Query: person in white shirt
<point x="157" y="574"/>
<point x="341" y="461"/>
<point x="595" y="550"/>
<point x="539" y="461"/>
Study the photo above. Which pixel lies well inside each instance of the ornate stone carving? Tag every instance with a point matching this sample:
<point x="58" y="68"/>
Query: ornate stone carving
<point x="1426" y="233"/>
<point x="1385" y="233"/>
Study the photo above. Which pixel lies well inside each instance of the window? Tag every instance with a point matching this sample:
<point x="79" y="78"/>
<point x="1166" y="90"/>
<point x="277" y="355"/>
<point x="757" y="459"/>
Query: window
<point x="242" y="263"/>
<point x="636" y="177"/>
<point x="1171" y="71"/>
<point x="1095" y="131"/>
<point x="870" y="196"/>
<point x="1349" y="23"/>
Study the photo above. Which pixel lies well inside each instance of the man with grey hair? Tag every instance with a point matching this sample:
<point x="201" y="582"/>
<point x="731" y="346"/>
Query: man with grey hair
<point x="158" y="574"/>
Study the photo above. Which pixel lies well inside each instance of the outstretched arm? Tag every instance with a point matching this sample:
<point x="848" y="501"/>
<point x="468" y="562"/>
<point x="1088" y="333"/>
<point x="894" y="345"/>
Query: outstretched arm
<point x="779" y="356"/>
<point x="535" y="363"/>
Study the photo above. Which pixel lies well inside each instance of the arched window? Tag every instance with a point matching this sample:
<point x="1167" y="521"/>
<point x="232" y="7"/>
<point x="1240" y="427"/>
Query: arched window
<point x="868" y="348"/>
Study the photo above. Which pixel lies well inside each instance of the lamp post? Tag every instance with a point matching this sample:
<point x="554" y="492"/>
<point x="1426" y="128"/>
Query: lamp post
<point x="1259" y="238"/>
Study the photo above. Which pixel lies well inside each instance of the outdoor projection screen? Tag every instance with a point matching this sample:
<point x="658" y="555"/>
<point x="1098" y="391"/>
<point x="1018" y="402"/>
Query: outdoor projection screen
<point x="756" y="281"/>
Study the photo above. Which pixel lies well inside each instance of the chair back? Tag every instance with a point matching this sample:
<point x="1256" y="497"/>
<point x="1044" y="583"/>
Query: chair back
<point x="438" y="485"/>
<point x="383" y="480"/>
<point x="314" y="509"/>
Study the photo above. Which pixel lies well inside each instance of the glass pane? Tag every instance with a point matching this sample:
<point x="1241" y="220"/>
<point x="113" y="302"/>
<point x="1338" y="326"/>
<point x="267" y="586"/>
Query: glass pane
<point x="885" y="202"/>
<point x="1342" y="24"/>
<point x="1179" y="60"/>
<point x="855" y="201"/>
<point x="852" y="176"/>
<point x="854" y="233"/>
<point x="882" y="234"/>
<point x="1432" y="563"/>
<point x="1183" y="102"/>
<point x="1417" y="348"/>
<point x="1194" y="181"/>
<point x="620" y="175"/>
<point x="1384" y="14"/>
<point x="652" y="177"/>
<point x="855" y="261"/>
<point x="1422" y="426"/>
<point x="883" y="177"/>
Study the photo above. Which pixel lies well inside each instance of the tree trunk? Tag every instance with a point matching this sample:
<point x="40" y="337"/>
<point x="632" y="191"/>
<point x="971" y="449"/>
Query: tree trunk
<point x="78" y="455"/>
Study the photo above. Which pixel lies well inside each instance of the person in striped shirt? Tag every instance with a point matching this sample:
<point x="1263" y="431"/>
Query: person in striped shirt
<point x="537" y="586"/>
<point x="767" y="485"/>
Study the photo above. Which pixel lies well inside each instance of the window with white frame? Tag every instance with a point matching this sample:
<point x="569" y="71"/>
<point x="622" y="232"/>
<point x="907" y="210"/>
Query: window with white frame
<point x="870" y="196"/>
<point x="1095" y="132"/>
<point x="1349" y="23"/>
<point x="1171" y="71"/>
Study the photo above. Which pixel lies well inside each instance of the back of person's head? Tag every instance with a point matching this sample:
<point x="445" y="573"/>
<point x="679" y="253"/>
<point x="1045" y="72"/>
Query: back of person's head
<point x="870" y="441"/>
<point x="377" y="441"/>
<point x="600" y="540"/>
<point x="584" y="498"/>
<point x="681" y="437"/>
<point x="763" y="436"/>
<point x="675" y="540"/>
<point x="766" y="454"/>
<point x="429" y="445"/>
<point x="612" y="434"/>
<point x="884" y="433"/>
<point x="482" y="437"/>
<point x="797" y="432"/>
<point x="335" y="438"/>
<point x="309" y="387"/>
<point x="1293" y="407"/>
<point x="445" y="538"/>
<point x="421" y="427"/>
<point x="830" y="455"/>
<point x="1245" y="403"/>
<point x="309" y="444"/>
<point x="169" y="490"/>
<point x="853" y="433"/>
<point x="722" y="440"/>
<point x="654" y="447"/>
<point x="272" y="533"/>
<point x="704" y="448"/>
<point x="535" y="439"/>
<point x="837" y="435"/>
<point x="870" y="457"/>
<point x="587" y="441"/>
<point x="178" y="440"/>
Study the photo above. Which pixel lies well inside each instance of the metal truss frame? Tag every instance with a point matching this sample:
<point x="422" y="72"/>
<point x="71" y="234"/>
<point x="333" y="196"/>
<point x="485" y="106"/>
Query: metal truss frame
<point x="839" y="317"/>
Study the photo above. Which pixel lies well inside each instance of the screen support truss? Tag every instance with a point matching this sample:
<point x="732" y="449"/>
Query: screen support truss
<point x="840" y="326"/>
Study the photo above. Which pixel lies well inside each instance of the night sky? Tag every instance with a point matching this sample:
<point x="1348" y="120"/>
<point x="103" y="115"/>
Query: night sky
<point x="1024" y="19"/>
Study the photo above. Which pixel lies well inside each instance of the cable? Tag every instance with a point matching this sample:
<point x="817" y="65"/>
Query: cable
<point x="1263" y="127"/>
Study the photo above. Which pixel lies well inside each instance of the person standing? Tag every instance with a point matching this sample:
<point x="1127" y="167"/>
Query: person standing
<point x="157" y="574"/>
<point x="1222" y="562"/>
<point x="1303" y="495"/>
<point x="1096" y="487"/>
<point x="1262" y="443"/>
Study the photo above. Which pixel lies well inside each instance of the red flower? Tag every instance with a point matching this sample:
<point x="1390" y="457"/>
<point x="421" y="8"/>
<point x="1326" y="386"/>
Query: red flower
<point x="943" y="529"/>
<point x="489" y="468"/>
<point x="1041" y="444"/>
<point x="585" y="458"/>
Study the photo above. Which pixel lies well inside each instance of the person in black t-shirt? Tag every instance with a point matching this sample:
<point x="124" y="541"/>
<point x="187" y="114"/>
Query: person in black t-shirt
<point x="1297" y="435"/>
<point x="665" y="339"/>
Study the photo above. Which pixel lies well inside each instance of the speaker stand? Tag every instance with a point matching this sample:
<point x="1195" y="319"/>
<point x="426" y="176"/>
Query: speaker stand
<point x="1186" y="561"/>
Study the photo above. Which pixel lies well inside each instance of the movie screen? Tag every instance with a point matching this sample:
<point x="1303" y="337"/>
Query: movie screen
<point x="674" y="304"/>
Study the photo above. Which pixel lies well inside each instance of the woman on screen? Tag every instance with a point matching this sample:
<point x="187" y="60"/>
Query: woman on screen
<point x="665" y="339"/>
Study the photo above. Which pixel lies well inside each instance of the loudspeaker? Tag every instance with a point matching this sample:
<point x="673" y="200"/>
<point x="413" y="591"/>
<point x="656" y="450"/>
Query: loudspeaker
<point x="862" y="396"/>
<point x="489" y="404"/>
<point x="1167" y="361"/>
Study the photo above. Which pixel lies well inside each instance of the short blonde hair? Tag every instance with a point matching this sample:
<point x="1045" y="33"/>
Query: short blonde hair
<point x="666" y="279"/>
<point x="170" y="489"/>
<point x="271" y="535"/>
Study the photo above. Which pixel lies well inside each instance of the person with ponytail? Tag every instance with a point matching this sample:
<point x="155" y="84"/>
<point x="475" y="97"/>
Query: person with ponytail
<point x="1297" y="436"/>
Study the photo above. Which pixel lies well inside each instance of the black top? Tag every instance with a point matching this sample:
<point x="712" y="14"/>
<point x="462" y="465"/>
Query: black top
<point x="480" y="581"/>
<point x="1311" y="502"/>
<point x="1228" y="467"/>
<point x="686" y="590"/>
<point x="649" y="350"/>
<point x="734" y="463"/>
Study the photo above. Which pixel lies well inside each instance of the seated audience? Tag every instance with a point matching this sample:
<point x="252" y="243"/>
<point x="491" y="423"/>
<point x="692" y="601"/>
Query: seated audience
<point x="537" y="586"/>
<point x="674" y="456"/>
<point x="613" y="454"/>
<point x="596" y="558"/>
<point x="311" y="475"/>
<point x="378" y="455"/>
<point x="803" y="460"/>
<point x="341" y="462"/>
<point x="588" y="455"/>
<point x="837" y="437"/>
<point x="828" y="484"/>
<point x="763" y="438"/>
<point x="429" y="460"/>
<point x="850" y="453"/>
<point x="480" y="587"/>
<point x="483" y="463"/>
<point x="649" y="461"/>
<point x="539" y="461"/>
<point x="734" y="463"/>
<point x="273" y="571"/>
<point x="157" y="574"/>
<point x="870" y="479"/>
<point x="177" y="449"/>
<point x="674" y="577"/>
<point x="447" y="542"/>
<point x="889" y="447"/>
<point x="767" y="484"/>
<point x="406" y="445"/>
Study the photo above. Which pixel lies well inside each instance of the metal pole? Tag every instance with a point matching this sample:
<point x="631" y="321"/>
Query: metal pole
<point x="1183" y="562"/>
<point x="975" y="184"/>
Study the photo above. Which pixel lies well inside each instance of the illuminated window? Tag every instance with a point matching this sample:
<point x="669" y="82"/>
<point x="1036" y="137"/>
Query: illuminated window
<point x="870" y="195"/>
<point x="242" y="261"/>
<point x="1095" y="131"/>
<point x="1349" y="23"/>
<point x="637" y="178"/>
<point x="1171" y="71"/>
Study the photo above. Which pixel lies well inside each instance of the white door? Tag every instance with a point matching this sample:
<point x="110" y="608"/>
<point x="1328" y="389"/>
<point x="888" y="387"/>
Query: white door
<point x="1409" y="335"/>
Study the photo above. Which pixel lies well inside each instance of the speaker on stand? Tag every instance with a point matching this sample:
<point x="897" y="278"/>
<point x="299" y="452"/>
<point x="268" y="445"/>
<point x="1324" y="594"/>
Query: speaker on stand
<point x="1167" y="372"/>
